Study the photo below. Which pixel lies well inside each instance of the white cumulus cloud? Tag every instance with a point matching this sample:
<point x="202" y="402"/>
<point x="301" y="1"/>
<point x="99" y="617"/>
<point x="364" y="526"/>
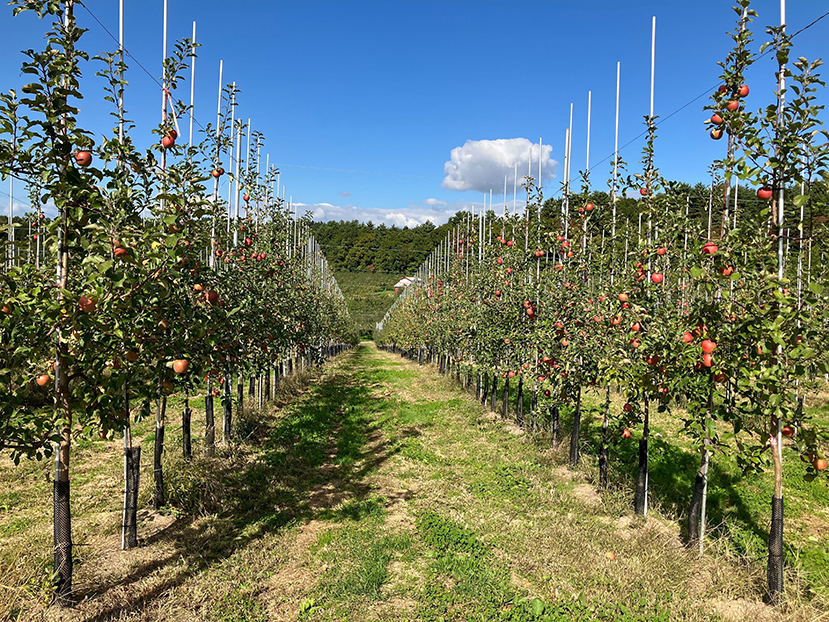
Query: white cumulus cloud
<point x="482" y="164"/>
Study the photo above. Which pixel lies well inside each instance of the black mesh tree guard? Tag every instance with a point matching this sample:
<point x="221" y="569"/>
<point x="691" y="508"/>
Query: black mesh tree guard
<point x="63" y="544"/>
<point x="158" y="471"/>
<point x="695" y="507"/>
<point x="186" y="440"/>
<point x="133" y="473"/>
<point x="209" y="423"/>
<point x="227" y="402"/>
<point x="505" y="402"/>
<point x="520" y="405"/>
<point x="774" y="571"/>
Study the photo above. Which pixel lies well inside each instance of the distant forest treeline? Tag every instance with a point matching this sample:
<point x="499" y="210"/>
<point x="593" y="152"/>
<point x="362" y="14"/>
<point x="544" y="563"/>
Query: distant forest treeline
<point x="352" y="246"/>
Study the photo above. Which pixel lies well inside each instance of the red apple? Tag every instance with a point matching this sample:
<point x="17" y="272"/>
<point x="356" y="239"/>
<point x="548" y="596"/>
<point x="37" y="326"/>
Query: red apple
<point x="709" y="248"/>
<point x="732" y="105"/>
<point x="623" y="297"/>
<point x="657" y="278"/>
<point x="687" y="337"/>
<point x="788" y="431"/>
<point x="716" y="119"/>
<point x="764" y="193"/>
<point x="819" y="464"/>
<point x="180" y="366"/>
<point x="743" y="90"/>
<point x="661" y="250"/>
<point x="643" y="192"/>
<point x="708" y="346"/>
<point x="168" y="141"/>
<point x="716" y="133"/>
<point x="43" y="380"/>
<point x="707" y="360"/>
<point x="83" y="158"/>
<point x="626" y="433"/>
<point x="87" y="304"/>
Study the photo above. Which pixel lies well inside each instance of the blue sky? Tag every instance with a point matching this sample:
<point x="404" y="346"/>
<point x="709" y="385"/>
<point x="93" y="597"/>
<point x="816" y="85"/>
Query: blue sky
<point x="391" y="88"/>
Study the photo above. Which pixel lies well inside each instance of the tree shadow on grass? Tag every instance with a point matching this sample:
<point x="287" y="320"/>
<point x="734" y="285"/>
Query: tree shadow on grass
<point x="671" y="475"/>
<point x="312" y="464"/>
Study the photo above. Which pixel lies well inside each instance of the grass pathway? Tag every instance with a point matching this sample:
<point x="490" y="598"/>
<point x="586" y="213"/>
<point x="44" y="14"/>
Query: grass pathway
<point x="384" y="493"/>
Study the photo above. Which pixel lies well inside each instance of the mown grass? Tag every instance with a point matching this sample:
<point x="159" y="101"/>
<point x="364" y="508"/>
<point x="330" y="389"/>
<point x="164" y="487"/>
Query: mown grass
<point x="375" y="490"/>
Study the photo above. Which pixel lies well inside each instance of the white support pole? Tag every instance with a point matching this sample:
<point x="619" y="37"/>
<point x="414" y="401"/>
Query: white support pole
<point x="589" y="110"/>
<point x="192" y="84"/>
<point x="216" y="179"/>
<point x="653" y="60"/>
<point x="614" y="188"/>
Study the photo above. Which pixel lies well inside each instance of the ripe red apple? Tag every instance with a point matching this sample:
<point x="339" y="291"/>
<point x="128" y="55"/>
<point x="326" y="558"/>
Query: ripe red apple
<point x="643" y="192"/>
<point x="716" y="119"/>
<point x="565" y="342"/>
<point x="589" y="207"/>
<point x="168" y="141"/>
<point x="87" y="304"/>
<point x="661" y="250"/>
<point x="499" y="261"/>
<point x="687" y="337"/>
<point x="788" y="431"/>
<point x="764" y="193"/>
<point x="626" y="433"/>
<point x="727" y="270"/>
<point x="43" y="380"/>
<point x="120" y="251"/>
<point x="709" y="248"/>
<point x="732" y="105"/>
<point x="635" y="343"/>
<point x="627" y="407"/>
<point x="743" y="90"/>
<point x="708" y="346"/>
<point x="547" y="393"/>
<point x="173" y="133"/>
<point x="722" y="89"/>
<point x="716" y="133"/>
<point x="623" y="297"/>
<point x="636" y="327"/>
<point x="819" y="464"/>
<point x="510" y="243"/>
<point x="616" y="320"/>
<point x="707" y="360"/>
<point x="245" y="198"/>
<point x="180" y="366"/>
<point x="83" y="158"/>
<point x="657" y="278"/>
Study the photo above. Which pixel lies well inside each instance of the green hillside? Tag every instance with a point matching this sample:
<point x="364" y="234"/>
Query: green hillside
<point x="368" y="295"/>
